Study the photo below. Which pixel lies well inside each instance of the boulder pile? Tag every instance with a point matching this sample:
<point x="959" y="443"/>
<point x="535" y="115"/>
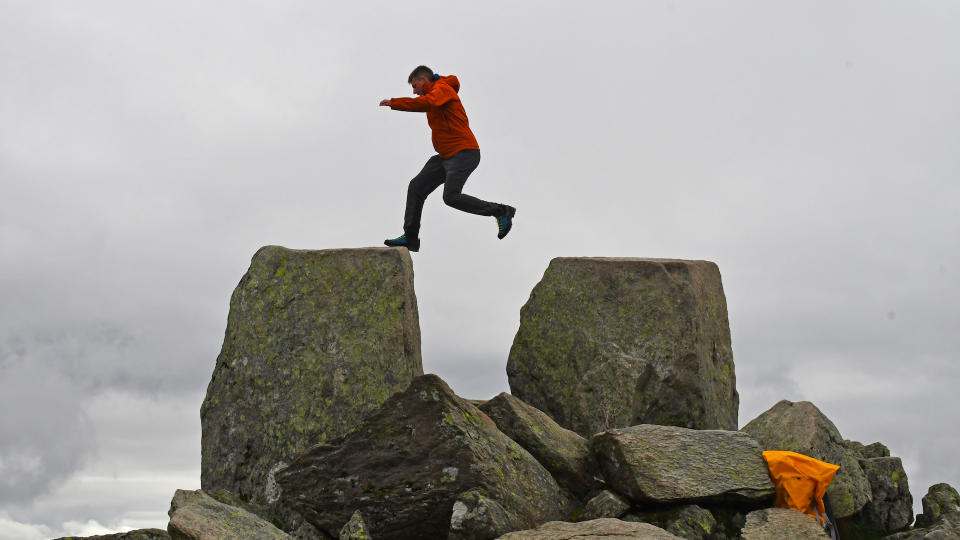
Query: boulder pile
<point x="621" y="422"/>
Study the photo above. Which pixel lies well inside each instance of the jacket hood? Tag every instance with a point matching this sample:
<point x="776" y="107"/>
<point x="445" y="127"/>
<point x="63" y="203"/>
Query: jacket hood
<point x="450" y="80"/>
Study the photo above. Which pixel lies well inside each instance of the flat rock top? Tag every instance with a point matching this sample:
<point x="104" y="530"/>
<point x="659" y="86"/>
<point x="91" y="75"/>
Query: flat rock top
<point x="595" y="529"/>
<point x="781" y="524"/>
<point x="654" y="260"/>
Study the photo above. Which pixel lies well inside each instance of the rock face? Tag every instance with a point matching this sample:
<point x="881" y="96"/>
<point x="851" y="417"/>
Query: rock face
<point x="801" y="427"/>
<point x="194" y="515"/>
<point x="406" y="465"/>
<point x="564" y="453"/>
<point x="606" y="343"/>
<point x="891" y="505"/>
<point x="604" y="528"/>
<point x="315" y="340"/>
<point x="668" y="464"/>
<point x="781" y="524"/>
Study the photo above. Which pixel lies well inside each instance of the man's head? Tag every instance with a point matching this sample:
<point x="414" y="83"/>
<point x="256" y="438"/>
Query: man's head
<point x="419" y="78"/>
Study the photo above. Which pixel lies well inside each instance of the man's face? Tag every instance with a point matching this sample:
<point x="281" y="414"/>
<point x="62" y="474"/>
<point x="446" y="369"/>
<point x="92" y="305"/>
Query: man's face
<point x="418" y="84"/>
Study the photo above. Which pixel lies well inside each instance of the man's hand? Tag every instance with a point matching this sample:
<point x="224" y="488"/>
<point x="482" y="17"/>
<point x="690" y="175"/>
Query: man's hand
<point x="385" y="103"/>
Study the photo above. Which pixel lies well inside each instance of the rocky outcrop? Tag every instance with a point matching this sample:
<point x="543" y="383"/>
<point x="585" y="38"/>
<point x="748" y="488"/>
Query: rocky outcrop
<point x="139" y="534"/>
<point x="665" y="464"/>
<point x="801" y="427"/>
<point x="606" y="528"/>
<point x="564" y="453"/>
<point x="194" y="515"/>
<point x="605" y="504"/>
<point x="315" y="340"/>
<point x="478" y="517"/>
<point x="607" y="343"/>
<point x="405" y="466"/>
<point x="781" y="524"/>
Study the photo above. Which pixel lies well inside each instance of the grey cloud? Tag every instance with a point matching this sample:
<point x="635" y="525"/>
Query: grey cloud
<point x="148" y="151"/>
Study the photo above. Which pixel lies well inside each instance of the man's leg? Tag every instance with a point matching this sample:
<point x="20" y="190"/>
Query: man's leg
<point x="420" y="187"/>
<point x="458" y="168"/>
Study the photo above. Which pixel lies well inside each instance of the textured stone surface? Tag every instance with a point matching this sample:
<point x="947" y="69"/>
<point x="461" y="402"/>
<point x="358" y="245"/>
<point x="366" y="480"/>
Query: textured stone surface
<point x="781" y="524"/>
<point x="597" y="529"/>
<point x="605" y="504"/>
<point x="355" y="529"/>
<point x="194" y="515"/>
<point x="891" y="504"/>
<point x="315" y="340"/>
<point x="801" y="427"/>
<point x="478" y="517"/>
<point x="690" y="521"/>
<point x="940" y="519"/>
<point x="406" y="464"/>
<point x="606" y="343"/>
<point x="671" y="464"/>
<point x="564" y="453"/>
<point x="139" y="534"/>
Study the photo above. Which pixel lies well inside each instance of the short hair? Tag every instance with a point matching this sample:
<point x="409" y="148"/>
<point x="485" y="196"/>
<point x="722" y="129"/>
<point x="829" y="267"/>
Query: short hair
<point x="420" y="71"/>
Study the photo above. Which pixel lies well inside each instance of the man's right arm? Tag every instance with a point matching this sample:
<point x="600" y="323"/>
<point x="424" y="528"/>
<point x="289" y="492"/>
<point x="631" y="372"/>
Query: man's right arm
<point x="439" y="95"/>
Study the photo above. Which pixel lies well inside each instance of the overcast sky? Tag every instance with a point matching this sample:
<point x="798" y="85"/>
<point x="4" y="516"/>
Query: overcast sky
<point x="147" y="149"/>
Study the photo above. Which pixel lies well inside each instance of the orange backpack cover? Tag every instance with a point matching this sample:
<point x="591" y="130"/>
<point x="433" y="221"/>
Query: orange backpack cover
<point x="800" y="480"/>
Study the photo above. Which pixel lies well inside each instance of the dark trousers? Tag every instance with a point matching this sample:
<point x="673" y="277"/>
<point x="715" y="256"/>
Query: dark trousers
<point x="452" y="173"/>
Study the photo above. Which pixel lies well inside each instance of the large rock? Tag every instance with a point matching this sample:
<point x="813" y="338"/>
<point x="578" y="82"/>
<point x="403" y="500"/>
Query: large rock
<point x="891" y="505"/>
<point x="138" y="534"/>
<point x="667" y="464"/>
<point x="801" y="427"/>
<point x="564" y="453"/>
<point x="315" y="340"/>
<point x="405" y="466"/>
<point x="607" y="343"/>
<point x="782" y="524"/>
<point x="596" y="529"/>
<point x="194" y="515"/>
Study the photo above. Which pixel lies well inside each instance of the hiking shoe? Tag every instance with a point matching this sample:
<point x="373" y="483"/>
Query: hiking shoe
<point x="505" y="223"/>
<point x="412" y="244"/>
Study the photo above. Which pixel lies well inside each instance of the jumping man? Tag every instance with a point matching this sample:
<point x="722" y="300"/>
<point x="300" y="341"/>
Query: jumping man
<point x="458" y="154"/>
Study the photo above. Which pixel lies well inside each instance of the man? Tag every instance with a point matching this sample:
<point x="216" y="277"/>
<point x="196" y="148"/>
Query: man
<point x="458" y="154"/>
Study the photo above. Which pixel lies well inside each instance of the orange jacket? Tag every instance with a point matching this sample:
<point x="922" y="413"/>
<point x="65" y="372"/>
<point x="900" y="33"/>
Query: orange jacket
<point x="801" y="481"/>
<point x="445" y="114"/>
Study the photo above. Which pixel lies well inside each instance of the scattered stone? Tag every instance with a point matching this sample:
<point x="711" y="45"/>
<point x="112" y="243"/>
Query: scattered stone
<point x="940" y="518"/>
<point x="406" y="465"/>
<point x="562" y="452"/>
<point x="801" y="427"/>
<point x="139" y="534"/>
<point x="315" y="340"/>
<point x="690" y="521"/>
<point x="355" y="529"/>
<point x="194" y="515"/>
<point x="615" y="342"/>
<point x="781" y="524"/>
<point x="605" y="528"/>
<point x="606" y="504"/>
<point x="668" y="464"/>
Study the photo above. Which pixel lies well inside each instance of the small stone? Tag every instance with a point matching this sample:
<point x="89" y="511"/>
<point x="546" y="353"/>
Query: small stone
<point x="606" y="504"/>
<point x="782" y="524"/>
